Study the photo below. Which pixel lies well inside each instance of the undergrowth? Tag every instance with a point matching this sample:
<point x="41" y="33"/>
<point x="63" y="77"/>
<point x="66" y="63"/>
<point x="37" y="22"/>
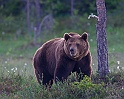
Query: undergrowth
<point x="16" y="86"/>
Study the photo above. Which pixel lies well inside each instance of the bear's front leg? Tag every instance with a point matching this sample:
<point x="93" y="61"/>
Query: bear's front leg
<point x="63" y="70"/>
<point x="84" y="66"/>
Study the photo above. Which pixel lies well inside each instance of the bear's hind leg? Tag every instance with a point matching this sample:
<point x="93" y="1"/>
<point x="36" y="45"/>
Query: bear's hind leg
<point x="47" y="80"/>
<point x="38" y="76"/>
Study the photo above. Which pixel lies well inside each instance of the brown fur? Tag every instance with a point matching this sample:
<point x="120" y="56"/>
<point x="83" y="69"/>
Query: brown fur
<point x="57" y="58"/>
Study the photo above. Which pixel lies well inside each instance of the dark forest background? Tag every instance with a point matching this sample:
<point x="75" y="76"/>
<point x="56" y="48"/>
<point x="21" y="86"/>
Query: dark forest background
<point x="29" y="16"/>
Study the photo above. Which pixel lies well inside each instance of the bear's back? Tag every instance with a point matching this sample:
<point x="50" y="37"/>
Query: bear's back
<point x="48" y="51"/>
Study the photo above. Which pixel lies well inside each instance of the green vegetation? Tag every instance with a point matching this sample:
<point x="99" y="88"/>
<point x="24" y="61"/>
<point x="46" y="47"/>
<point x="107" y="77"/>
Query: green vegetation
<point x="15" y="86"/>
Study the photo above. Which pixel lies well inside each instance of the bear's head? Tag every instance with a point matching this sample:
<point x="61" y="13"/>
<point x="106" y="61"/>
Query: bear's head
<point x="76" y="46"/>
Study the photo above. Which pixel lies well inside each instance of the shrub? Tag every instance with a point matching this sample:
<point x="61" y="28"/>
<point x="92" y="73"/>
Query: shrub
<point x="90" y="90"/>
<point x="16" y="86"/>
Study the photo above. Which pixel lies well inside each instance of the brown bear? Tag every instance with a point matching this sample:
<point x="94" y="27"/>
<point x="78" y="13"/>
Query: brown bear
<point x="57" y="58"/>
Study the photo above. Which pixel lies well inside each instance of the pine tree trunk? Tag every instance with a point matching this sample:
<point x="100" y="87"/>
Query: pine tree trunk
<point x="28" y="16"/>
<point x="102" y="48"/>
<point x="72" y="8"/>
<point x="72" y="13"/>
<point x="36" y="29"/>
<point x="37" y="4"/>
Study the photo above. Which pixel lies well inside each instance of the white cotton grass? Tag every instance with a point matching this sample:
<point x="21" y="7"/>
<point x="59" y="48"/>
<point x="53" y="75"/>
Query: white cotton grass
<point x="118" y="63"/>
<point x="14" y="69"/>
<point x="118" y="67"/>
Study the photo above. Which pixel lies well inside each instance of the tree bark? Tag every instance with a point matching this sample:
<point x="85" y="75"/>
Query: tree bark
<point x="72" y="8"/>
<point x="28" y="16"/>
<point x="36" y="29"/>
<point x="37" y="4"/>
<point x="72" y="13"/>
<point x="102" y="48"/>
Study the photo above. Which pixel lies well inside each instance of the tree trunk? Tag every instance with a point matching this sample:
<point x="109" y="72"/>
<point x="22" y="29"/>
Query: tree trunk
<point x="36" y="29"/>
<point x="37" y="4"/>
<point x="102" y="48"/>
<point x="72" y="8"/>
<point x="72" y="13"/>
<point x="28" y="16"/>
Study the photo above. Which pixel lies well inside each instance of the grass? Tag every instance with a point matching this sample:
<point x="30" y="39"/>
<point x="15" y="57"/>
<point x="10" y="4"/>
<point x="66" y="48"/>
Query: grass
<point x="15" y="86"/>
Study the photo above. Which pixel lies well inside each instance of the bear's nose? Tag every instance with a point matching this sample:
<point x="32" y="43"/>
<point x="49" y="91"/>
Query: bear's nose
<point x="71" y="50"/>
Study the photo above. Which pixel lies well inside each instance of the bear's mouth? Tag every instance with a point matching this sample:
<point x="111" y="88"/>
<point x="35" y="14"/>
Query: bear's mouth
<point x="73" y="54"/>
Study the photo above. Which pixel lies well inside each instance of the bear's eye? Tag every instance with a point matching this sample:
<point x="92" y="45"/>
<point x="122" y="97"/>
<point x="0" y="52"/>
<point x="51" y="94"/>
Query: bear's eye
<point x="69" y="44"/>
<point x="77" y="44"/>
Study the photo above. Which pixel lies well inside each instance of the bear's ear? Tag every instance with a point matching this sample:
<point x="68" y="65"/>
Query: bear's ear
<point x="66" y="36"/>
<point x="84" y="36"/>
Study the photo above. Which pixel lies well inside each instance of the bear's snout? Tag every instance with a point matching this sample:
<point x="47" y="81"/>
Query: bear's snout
<point x="72" y="52"/>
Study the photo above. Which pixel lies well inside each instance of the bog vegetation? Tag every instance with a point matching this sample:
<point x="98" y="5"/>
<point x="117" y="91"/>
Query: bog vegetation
<point x="17" y="46"/>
